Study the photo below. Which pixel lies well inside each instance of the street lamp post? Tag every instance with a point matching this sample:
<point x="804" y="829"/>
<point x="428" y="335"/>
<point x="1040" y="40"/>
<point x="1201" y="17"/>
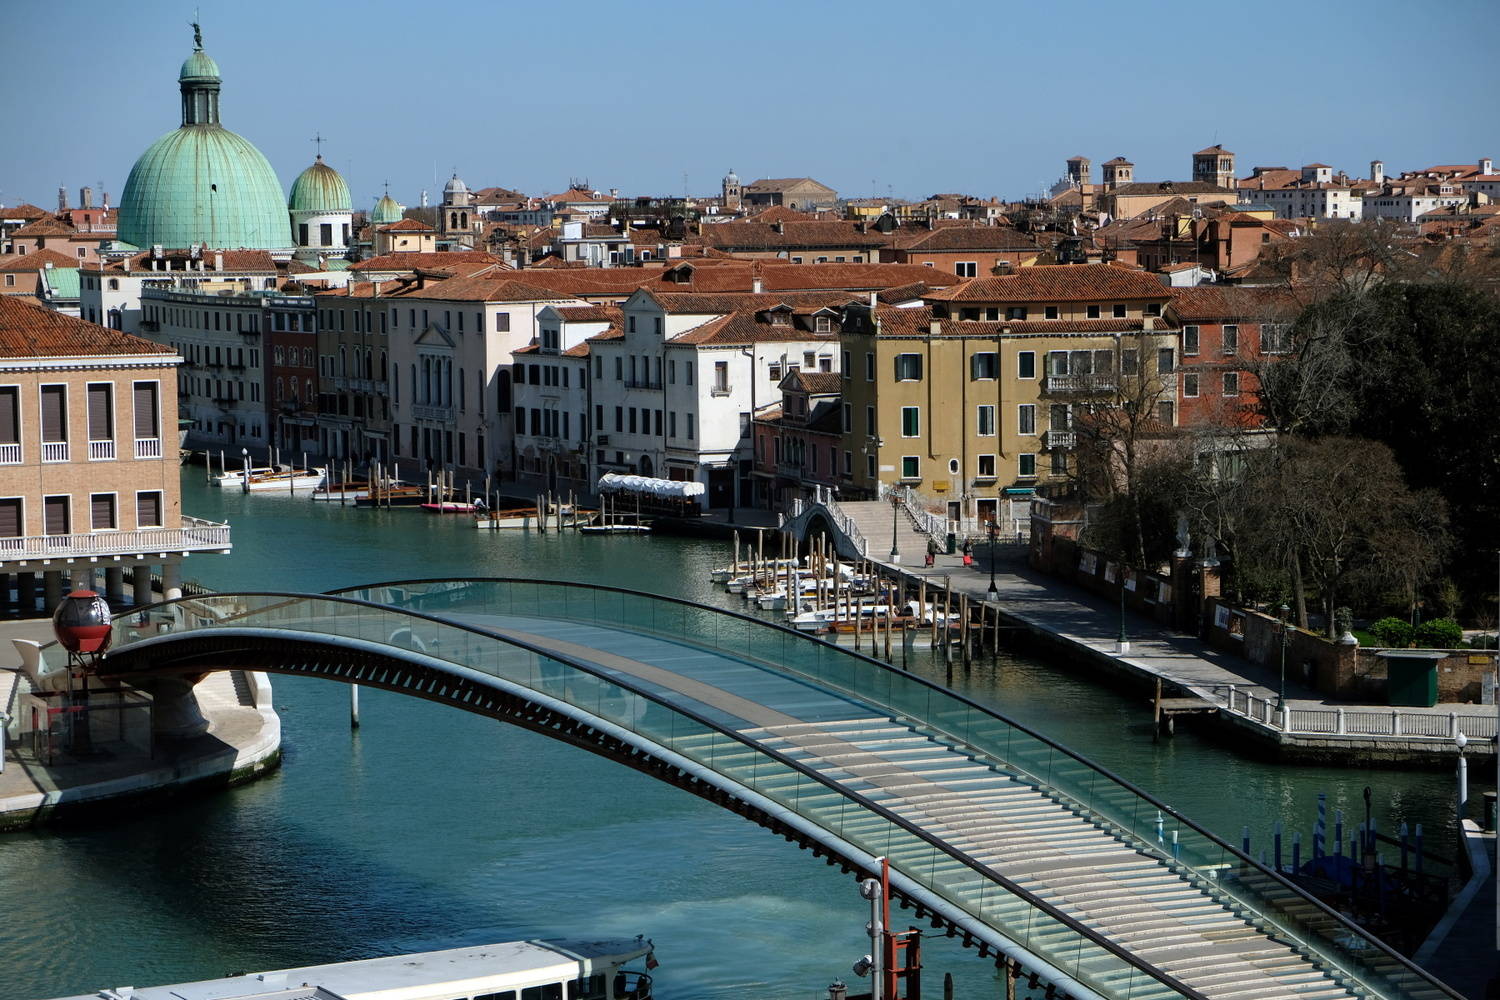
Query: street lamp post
<point x="895" y="505"/>
<point x="1281" y="695"/>
<point x="1122" y="644"/>
<point x="994" y="594"/>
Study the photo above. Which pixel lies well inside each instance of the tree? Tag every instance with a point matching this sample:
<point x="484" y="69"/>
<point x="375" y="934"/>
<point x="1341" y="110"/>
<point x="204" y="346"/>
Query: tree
<point x="1336" y="512"/>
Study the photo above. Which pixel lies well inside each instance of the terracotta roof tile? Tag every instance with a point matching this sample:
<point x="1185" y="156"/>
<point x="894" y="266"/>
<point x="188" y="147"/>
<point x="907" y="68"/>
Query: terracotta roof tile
<point x="814" y="383"/>
<point x="46" y="226"/>
<point x="23" y="211"/>
<point x="407" y="226"/>
<point x="28" y="331"/>
<point x="36" y="260"/>
<point x="411" y="261"/>
<point x="1207" y="303"/>
<point x="792" y="235"/>
<point x="965" y="238"/>
<point x="1058" y="283"/>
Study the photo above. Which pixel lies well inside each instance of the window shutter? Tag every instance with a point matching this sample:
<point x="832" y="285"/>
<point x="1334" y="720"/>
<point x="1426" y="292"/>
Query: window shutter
<point x="10" y="416"/>
<point x="101" y="422"/>
<point x="102" y="510"/>
<point x="54" y="425"/>
<point x="10" y="518"/>
<point x="148" y="510"/>
<point x="55" y="510"/>
<point x="145" y="410"/>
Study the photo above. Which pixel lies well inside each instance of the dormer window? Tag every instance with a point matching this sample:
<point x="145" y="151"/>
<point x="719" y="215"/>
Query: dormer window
<point x="781" y="318"/>
<point x="824" y="324"/>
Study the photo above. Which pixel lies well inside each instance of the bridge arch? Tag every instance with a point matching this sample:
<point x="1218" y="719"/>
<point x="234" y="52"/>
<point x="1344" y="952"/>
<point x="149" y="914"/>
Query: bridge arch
<point x="481" y="645"/>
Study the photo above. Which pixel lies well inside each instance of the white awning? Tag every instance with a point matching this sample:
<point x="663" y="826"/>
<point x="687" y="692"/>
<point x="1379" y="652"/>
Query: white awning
<point x="613" y="483"/>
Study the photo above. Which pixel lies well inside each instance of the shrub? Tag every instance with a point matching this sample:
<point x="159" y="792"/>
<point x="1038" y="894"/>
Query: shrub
<point x="1392" y="632"/>
<point x="1482" y="642"/>
<point x="1439" y="633"/>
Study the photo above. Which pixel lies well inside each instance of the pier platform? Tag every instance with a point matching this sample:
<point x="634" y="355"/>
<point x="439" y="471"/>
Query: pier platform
<point x="1239" y="693"/>
<point x="243" y="742"/>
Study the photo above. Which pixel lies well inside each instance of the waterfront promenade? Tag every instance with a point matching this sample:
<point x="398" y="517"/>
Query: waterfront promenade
<point x="243" y="741"/>
<point x="1089" y="626"/>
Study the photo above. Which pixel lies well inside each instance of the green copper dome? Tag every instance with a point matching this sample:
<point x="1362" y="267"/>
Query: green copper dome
<point x="199" y="66"/>
<point x="320" y="188"/>
<point x="386" y="211"/>
<point x="202" y="183"/>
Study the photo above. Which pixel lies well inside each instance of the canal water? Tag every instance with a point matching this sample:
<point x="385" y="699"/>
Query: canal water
<point x="432" y="828"/>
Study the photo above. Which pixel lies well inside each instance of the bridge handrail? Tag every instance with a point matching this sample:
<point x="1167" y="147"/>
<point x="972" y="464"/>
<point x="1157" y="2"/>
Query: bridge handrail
<point x="1220" y="864"/>
<point x="1217" y="863"/>
<point x="1062" y="954"/>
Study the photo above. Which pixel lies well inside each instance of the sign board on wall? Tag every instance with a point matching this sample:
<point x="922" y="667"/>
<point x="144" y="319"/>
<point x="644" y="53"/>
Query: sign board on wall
<point x="1221" y="617"/>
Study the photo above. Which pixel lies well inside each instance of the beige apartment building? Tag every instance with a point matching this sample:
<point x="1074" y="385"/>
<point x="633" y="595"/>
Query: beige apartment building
<point x="89" y="461"/>
<point x="974" y="398"/>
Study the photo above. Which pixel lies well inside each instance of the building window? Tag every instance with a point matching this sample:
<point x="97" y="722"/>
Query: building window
<point x="1164" y="361"/>
<point x="911" y="421"/>
<point x="1190" y="384"/>
<point x="847" y="417"/>
<point x="1189" y="340"/>
<point x="721" y="376"/>
<point x="869" y="421"/>
<point x="985" y="420"/>
<point x="1231" y="383"/>
<point x="101" y="412"/>
<point x="823" y="324"/>
<point x="985" y="365"/>
<point x="148" y="512"/>
<point x="966" y="269"/>
<point x="986" y="466"/>
<point x="1026" y="466"/>
<point x="1275" y="338"/>
<point x="102" y="514"/>
<point x="908" y="368"/>
<point x="57" y="515"/>
<point x="1093" y="312"/>
<point x="869" y="367"/>
<point x="1025" y="418"/>
<point x="1026" y="364"/>
<point x="1231" y="339"/>
<point x="910" y="467"/>
<point x="1051" y="312"/>
<point x="1119" y="310"/>
<point x="1015" y="312"/>
<point x="1164" y="414"/>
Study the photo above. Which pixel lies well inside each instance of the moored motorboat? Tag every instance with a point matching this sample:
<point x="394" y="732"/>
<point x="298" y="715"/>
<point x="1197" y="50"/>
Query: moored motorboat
<point x="237" y="477"/>
<point x="585" y="969"/>
<point x="449" y="507"/>
<point x="285" y="480"/>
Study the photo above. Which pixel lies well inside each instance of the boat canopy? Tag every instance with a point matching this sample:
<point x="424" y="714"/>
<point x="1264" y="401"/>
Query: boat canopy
<point x="612" y="483"/>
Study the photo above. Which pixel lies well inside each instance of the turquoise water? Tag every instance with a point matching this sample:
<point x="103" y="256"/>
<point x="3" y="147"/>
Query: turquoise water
<point x="430" y="828"/>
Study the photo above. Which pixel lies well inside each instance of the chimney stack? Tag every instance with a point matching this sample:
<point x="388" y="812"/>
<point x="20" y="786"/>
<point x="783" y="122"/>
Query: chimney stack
<point x="219" y="260"/>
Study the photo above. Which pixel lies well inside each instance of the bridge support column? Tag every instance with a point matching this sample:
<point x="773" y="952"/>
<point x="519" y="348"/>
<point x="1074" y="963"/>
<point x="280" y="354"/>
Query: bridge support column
<point x="114" y="584"/>
<point x="175" y="714"/>
<point x="142" y="584"/>
<point x="171" y="580"/>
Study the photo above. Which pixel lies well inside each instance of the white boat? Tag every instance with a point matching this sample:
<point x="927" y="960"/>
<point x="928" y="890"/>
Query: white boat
<point x="285" y="480"/>
<point x="237" y="477"/>
<point x="525" y="519"/>
<point x="586" y="970"/>
<point x="615" y="529"/>
<point x="824" y="618"/>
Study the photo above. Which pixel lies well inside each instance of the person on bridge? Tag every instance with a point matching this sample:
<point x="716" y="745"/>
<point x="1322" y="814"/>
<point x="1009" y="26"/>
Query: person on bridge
<point x="968" y="551"/>
<point x="932" y="550"/>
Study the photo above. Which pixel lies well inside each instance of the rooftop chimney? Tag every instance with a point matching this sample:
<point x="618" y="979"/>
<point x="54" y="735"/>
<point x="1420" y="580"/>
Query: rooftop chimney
<point x="219" y="260"/>
<point x="756" y="285"/>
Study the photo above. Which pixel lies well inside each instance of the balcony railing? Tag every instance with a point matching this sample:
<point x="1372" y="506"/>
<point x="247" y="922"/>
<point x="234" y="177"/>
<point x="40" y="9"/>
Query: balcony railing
<point x="1060" y="440"/>
<point x="10" y="454"/>
<point x="1080" y="383"/>
<point x="148" y="447"/>
<point x="422" y="412"/>
<point x="719" y="390"/>
<point x="54" y="451"/>
<point x="194" y="535"/>
<point x="101" y="451"/>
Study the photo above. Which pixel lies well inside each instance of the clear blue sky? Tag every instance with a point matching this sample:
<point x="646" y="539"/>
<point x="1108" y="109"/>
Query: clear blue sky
<point x="902" y="98"/>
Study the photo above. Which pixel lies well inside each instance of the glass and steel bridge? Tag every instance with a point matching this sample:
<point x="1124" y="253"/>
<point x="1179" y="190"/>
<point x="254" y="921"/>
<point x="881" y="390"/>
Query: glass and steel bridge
<point x="1023" y="848"/>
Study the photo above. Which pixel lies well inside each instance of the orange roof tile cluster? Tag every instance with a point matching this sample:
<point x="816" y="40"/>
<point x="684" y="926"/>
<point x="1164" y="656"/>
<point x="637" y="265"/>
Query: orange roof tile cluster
<point x="46" y="226"/>
<point x="406" y="226"/>
<point x="1207" y="303"/>
<point x="36" y="260"/>
<point x="414" y="260"/>
<point x="24" y="210"/>
<point x="814" y="383"/>
<point x="957" y="238"/>
<point x="788" y="235"/>
<point x="1058" y="283"/>
<point x="28" y="331"/>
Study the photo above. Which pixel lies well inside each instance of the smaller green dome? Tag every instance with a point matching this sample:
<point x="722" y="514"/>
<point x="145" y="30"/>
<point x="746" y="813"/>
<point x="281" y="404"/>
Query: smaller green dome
<point x="386" y="211"/>
<point x="199" y="66"/>
<point x="320" y="188"/>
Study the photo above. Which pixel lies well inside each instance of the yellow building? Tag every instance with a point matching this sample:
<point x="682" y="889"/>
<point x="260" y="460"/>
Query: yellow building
<point x="979" y="394"/>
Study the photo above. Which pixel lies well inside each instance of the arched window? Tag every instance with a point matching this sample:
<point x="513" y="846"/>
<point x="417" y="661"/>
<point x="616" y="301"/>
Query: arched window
<point x="502" y="391"/>
<point x="369" y="363"/>
<point x="278" y="388"/>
